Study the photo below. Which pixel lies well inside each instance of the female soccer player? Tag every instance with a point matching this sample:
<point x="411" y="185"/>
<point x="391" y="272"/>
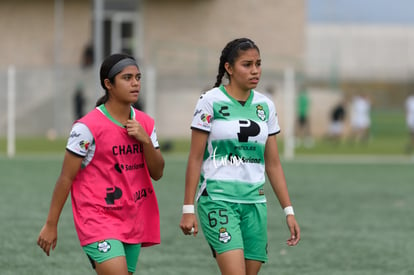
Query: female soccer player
<point x="111" y="155"/>
<point x="233" y="144"/>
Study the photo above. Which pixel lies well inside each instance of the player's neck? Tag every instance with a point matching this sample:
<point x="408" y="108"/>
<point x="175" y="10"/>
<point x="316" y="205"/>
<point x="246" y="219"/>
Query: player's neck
<point x="120" y="113"/>
<point x="237" y="93"/>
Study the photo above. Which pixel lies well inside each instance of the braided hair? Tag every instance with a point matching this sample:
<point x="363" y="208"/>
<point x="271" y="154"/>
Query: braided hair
<point x="230" y="53"/>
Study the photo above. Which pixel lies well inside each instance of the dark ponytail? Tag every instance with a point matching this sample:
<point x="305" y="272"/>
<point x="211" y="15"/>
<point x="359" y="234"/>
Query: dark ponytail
<point x="230" y="53"/>
<point x="103" y="99"/>
<point x="221" y="70"/>
<point x="106" y="72"/>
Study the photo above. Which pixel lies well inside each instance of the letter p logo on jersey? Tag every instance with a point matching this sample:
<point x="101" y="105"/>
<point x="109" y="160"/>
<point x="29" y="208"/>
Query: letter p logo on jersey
<point x="112" y="194"/>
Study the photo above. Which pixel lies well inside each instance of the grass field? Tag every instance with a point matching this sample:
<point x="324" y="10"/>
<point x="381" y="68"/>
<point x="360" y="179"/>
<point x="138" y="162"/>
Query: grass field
<point x="355" y="215"/>
<point x="353" y="202"/>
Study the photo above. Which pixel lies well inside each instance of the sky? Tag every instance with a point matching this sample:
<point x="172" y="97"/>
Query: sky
<point x="361" y="11"/>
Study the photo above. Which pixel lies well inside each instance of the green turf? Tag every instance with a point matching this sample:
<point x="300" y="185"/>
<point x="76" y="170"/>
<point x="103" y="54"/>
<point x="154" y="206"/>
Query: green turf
<point x="35" y="145"/>
<point x="388" y="136"/>
<point x="355" y="215"/>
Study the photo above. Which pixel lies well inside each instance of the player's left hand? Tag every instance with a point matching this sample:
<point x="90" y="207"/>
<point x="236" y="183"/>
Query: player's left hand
<point x="47" y="238"/>
<point x="189" y="224"/>
<point x="294" y="231"/>
<point x="135" y="129"/>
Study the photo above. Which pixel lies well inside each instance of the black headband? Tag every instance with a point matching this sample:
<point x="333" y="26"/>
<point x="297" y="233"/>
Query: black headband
<point x="120" y="65"/>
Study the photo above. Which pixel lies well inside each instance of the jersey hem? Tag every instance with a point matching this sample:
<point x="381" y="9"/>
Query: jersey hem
<point x="202" y="130"/>
<point x="275" y="133"/>
<point x="74" y="153"/>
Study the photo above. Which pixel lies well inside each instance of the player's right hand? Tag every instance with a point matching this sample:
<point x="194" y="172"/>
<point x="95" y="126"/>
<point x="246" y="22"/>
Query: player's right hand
<point x="47" y="238"/>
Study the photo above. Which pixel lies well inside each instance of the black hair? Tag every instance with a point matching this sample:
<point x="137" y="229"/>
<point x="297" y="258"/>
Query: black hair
<point x="230" y="53"/>
<point x="106" y="66"/>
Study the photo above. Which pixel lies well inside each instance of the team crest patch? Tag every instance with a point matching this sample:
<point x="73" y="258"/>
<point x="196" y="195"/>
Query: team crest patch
<point x="260" y="112"/>
<point x="224" y="236"/>
<point x="104" y="246"/>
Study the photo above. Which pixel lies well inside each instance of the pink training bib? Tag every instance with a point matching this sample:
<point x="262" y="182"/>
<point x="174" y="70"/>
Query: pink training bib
<point x="113" y="196"/>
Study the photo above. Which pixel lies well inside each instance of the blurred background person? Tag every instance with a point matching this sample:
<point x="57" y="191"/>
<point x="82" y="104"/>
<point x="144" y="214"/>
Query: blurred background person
<point x="409" y="111"/>
<point x="303" y="135"/>
<point x="360" y="118"/>
<point x="337" y="119"/>
<point x="87" y="57"/>
<point x="79" y="102"/>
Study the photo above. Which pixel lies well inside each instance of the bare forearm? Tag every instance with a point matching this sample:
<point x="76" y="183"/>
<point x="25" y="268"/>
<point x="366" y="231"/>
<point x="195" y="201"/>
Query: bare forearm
<point x="59" y="197"/>
<point x="191" y="180"/>
<point x="195" y="160"/>
<point x="278" y="183"/>
<point x="154" y="160"/>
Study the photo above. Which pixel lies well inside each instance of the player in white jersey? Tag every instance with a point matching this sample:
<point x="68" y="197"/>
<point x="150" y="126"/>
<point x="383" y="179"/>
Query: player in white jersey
<point x="233" y="145"/>
<point x="360" y="118"/>
<point x="409" y="111"/>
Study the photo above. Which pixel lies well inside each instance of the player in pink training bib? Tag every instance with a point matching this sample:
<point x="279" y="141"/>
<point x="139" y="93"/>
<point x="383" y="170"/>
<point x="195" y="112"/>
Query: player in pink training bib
<point x="111" y="158"/>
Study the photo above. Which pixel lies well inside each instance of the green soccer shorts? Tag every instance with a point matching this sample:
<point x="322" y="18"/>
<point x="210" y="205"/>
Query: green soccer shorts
<point x="107" y="249"/>
<point x="228" y="226"/>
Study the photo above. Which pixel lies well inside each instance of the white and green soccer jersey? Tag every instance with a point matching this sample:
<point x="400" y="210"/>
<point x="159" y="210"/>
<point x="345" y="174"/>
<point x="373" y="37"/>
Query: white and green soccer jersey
<point x="233" y="166"/>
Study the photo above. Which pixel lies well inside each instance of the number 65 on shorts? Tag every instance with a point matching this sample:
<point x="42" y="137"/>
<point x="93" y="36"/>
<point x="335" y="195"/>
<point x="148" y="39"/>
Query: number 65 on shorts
<point x="229" y="226"/>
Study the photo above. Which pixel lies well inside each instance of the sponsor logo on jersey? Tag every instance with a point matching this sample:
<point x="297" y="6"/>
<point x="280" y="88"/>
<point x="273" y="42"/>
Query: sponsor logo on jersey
<point x="223" y="111"/>
<point x="206" y="118"/>
<point x="128" y="167"/>
<point x="84" y="145"/>
<point x="142" y="193"/>
<point x="112" y="194"/>
<point x="128" y="149"/>
<point x="197" y="112"/>
<point x="231" y="159"/>
<point x="248" y="128"/>
<point x="73" y="134"/>
<point x="119" y="167"/>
